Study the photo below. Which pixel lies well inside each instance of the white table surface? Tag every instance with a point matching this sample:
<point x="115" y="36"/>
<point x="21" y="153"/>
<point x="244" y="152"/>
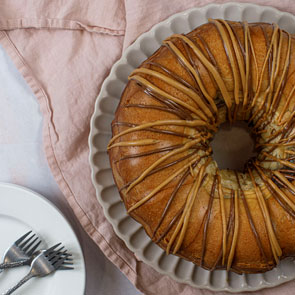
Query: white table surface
<point x="23" y="162"/>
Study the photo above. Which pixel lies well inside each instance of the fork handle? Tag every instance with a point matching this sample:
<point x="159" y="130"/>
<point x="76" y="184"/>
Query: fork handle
<point x="12" y="264"/>
<point x="20" y="283"/>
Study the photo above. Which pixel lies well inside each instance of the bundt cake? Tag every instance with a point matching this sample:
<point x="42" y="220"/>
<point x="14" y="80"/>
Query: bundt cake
<point x="161" y="156"/>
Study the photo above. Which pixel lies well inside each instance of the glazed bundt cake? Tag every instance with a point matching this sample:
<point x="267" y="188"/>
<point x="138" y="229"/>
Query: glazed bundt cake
<point x="161" y="156"/>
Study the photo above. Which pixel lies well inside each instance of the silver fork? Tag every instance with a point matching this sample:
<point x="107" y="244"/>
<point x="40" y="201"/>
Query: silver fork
<point x="21" y="252"/>
<point x="46" y="263"/>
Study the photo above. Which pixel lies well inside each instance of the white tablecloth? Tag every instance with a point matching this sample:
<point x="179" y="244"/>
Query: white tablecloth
<point x="23" y="162"/>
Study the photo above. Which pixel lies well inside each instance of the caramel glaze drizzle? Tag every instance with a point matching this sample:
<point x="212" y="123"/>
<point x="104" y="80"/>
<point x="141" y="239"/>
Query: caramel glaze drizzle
<point x="222" y="252"/>
<point x="175" y="191"/>
<point x="181" y="228"/>
<point x="207" y="219"/>
<point x="199" y="115"/>
<point x="250" y="219"/>
<point x="156" y="130"/>
<point x="276" y="250"/>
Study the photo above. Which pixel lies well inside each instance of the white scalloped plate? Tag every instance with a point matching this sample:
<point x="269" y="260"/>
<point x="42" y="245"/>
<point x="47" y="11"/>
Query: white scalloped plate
<point x="131" y="232"/>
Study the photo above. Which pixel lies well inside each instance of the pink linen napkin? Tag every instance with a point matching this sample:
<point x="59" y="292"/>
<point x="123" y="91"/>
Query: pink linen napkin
<point x="64" y="50"/>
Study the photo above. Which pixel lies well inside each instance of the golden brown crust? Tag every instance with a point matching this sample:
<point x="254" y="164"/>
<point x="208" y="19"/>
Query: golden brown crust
<point x="247" y="256"/>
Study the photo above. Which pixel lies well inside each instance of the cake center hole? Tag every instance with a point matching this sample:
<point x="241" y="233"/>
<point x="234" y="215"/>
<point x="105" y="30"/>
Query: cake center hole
<point x="233" y="146"/>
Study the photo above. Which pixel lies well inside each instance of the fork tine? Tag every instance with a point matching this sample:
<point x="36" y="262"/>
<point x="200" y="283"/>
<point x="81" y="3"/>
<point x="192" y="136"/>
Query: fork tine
<point x="58" y="250"/>
<point x="32" y="250"/>
<point x="25" y="242"/>
<point x="22" y="238"/>
<point x="65" y="268"/>
<point x="59" y="258"/>
<point x="69" y="259"/>
<point x="51" y="249"/>
<point x="56" y="259"/>
<point x="60" y="255"/>
<point x="58" y="262"/>
<point x="68" y="255"/>
<point x="55" y="253"/>
<point x="28" y="246"/>
<point x="67" y="263"/>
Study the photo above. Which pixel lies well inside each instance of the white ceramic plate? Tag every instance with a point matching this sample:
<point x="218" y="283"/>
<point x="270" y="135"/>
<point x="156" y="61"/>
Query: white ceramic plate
<point x="125" y="227"/>
<point x="22" y="210"/>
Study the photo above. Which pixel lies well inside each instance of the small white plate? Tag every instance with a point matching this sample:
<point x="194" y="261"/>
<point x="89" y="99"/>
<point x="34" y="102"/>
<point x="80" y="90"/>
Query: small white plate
<point x="22" y="210"/>
<point x="131" y="232"/>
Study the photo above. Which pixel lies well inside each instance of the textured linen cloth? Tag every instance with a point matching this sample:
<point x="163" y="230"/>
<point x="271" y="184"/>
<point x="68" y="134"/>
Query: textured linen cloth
<point x="64" y="50"/>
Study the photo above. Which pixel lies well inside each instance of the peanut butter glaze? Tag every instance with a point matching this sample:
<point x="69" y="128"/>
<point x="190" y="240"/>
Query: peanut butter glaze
<point x="250" y="218"/>
<point x="207" y="219"/>
<point x="205" y="88"/>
